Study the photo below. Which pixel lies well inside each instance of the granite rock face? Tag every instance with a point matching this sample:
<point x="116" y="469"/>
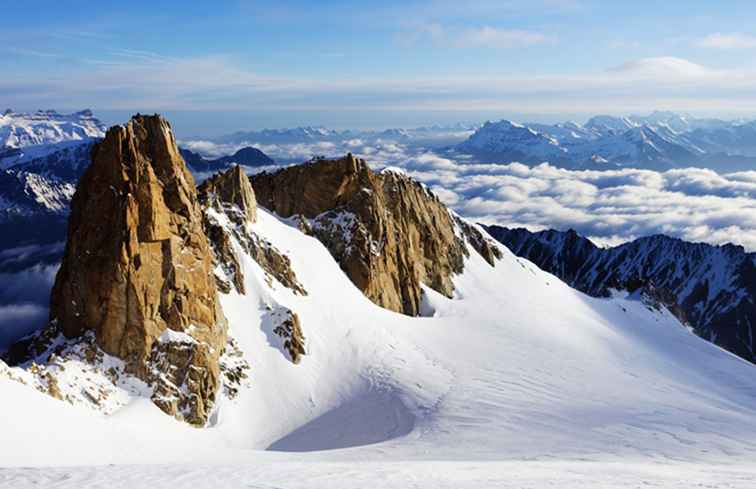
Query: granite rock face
<point x="138" y="270"/>
<point x="230" y="190"/>
<point x="389" y="233"/>
<point x="229" y="205"/>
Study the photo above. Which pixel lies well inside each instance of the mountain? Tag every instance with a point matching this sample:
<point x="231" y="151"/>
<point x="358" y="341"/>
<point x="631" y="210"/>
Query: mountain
<point x="247" y="156"/>
<point x="35" y="197"/>
<point x="391" y="235"/>
<point x="504" y="369"/>
<point x="433" y="136"/>
<point x="710" y="288"/>
<point x="28" y="136"/>
<point x="284" y="136"/>
<point x="46" y="153"/>
<point x="512" y="142"/>
<point x="659" y="141"/>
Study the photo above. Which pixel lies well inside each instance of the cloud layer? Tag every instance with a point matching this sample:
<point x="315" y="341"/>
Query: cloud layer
<point x="610" y="206"/>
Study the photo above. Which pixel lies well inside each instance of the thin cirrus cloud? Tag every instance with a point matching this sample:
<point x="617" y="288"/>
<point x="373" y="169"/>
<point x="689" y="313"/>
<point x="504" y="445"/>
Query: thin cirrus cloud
<point x="472" y="37"/>
<point x="130" y="79"/>
<point x="728" y="41"/>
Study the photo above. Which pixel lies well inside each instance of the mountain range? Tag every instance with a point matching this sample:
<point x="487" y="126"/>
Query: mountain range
<point x="333" y="309"/>
<point x="659" y="141"/>
<point x="433" y="136"/>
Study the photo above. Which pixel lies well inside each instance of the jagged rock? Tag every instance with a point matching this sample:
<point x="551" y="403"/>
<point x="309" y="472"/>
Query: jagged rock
<point x="230" y="192"/>
<point x="137" y="264"/>
<point x="53" y="390"/>
<point x="234" y="369"/>
<point x="229" y="207"/>
<point x="389" y="233"/>
<point x="4" y="370"/>
<point x="186" y="376"/>
<point x="489" y="251"/>
<point x="285" y="324"/>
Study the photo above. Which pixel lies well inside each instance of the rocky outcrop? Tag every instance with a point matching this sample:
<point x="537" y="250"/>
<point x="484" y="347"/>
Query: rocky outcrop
<point x="229" y="205"/>
<point x="389" y="233"/>
<point x="230" y="192"/>
<point x="138" y="271"/>
<point x="285" y="325"/>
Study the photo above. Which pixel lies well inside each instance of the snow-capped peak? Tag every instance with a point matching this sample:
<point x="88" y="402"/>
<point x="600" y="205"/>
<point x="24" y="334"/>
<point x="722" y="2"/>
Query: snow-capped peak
<point x="26" y="136"/>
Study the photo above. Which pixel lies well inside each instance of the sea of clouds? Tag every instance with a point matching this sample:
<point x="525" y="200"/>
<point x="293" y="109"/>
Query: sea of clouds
<point x="609" y="206"/>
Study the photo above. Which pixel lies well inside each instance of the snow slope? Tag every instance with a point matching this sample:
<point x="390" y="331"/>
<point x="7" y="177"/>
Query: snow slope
<point x="517" y="372"/>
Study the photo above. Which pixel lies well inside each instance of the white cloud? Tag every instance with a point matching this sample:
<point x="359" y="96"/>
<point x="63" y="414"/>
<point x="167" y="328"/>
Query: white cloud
<point x="728" y="41"/>
<point x="492" y="37"/>
<point x="608" y="206"/>
<point x="663" y="67"/>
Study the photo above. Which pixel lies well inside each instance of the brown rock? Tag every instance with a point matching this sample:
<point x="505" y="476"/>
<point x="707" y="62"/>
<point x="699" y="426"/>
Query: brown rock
<point x="137" y="261"/>
<point x="287" y="327"/>
<point x="230" y="193"/>
<point x="389" y="233"/>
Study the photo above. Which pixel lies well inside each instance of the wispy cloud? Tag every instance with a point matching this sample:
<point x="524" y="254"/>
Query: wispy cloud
<point x="728" y="41"/>
<point x="476" y="37"/>
<point x="501" y="38"/>
<point x="31" y="52"/>
<point x="136" y="80"/>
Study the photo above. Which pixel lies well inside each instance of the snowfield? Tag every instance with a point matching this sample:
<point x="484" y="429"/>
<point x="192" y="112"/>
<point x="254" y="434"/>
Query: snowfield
<point x="518" y="381"/>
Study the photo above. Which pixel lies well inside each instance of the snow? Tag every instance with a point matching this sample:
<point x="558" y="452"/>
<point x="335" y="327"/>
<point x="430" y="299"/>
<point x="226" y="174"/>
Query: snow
<point x="634" y="140"/>
<point x="170" y="336"/>
<point x="517" y="381"/>
<point x="40" y="133"/>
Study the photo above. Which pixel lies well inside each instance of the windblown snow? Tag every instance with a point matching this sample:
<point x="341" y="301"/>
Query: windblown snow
<point x="516" y="381"/>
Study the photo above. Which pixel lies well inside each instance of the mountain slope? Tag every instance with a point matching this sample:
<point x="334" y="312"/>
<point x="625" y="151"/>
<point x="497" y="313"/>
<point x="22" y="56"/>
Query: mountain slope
<point x="513" y="365"/>
<point x="709" y="287"/>
<point x="517" y="365"/>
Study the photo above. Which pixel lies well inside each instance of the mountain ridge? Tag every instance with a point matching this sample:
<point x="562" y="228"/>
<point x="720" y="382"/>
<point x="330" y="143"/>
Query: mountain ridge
<point x="709" y="287"/>
<point x="659" y="141"/>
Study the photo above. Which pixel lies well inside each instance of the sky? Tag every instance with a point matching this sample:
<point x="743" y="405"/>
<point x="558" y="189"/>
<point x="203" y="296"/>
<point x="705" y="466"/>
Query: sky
<point x="216" y="67"/>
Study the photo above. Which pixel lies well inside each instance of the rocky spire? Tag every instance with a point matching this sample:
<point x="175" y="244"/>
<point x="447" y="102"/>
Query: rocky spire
<point x="230" y="188"/>
<point x="389" y="233"/>
<point x="138" y="270"/>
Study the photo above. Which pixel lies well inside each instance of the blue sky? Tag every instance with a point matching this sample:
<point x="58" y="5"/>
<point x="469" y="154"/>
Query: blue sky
<point x="219" y="66"/>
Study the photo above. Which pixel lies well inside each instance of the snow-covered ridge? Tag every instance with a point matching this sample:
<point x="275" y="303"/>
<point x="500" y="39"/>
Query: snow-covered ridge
<point x="709" y="287"/>
<point x="28" y="136"/>
<point x="660" y="140"/>
<point x="18" y="130"/>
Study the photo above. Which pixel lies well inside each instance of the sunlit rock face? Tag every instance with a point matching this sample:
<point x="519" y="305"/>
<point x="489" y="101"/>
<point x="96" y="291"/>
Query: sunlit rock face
<point x="389" y="233"/>
<point x="138" y="270"/>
